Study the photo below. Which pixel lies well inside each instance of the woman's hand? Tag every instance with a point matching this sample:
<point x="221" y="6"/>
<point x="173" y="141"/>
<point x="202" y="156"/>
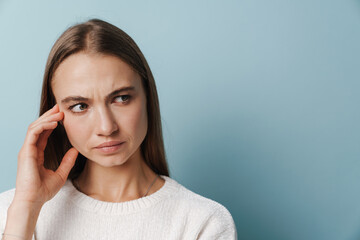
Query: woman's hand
<point x="34" y="183"/>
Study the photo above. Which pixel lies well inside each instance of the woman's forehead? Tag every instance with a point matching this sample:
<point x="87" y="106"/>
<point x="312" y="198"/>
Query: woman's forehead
<point x="88" y="72"/>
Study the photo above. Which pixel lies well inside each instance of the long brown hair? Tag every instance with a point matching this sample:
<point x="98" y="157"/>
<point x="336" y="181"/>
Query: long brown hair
<point x="98" y="36"/>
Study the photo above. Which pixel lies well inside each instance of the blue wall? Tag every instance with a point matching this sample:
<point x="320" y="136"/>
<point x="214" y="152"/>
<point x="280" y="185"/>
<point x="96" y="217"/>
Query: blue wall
<point x="259" y="100"/>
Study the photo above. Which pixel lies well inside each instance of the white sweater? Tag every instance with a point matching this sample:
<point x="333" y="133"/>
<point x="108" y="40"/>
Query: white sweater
<point x="171" y="213"/>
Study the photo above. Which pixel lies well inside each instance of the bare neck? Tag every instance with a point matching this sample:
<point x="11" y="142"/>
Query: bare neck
<point x="126" y="182"/>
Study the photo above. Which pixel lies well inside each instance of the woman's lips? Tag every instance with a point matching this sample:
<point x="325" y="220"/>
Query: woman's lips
<point x="108" y="144"/>
<point x="109" y="147"/>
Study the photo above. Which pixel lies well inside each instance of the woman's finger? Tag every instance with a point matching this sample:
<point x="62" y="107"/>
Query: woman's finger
<point x="51" y="118"/>
<point x="42" y="141"/>
<point x="54" y="109"/>
<point x="34" y="133"/>
<point x="67" y="163"/>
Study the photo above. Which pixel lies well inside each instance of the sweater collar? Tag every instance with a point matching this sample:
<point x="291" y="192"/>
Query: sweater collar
<point x="83" y="201"/>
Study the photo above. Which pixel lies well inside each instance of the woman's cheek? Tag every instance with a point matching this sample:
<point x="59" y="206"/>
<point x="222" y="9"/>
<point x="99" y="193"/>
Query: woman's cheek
<point x="138" y="121"/>
<point x="75" y="129"/>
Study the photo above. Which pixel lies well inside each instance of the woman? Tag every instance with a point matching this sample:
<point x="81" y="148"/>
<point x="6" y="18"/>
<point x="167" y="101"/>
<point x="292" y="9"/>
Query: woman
<point x="93" y="164"/>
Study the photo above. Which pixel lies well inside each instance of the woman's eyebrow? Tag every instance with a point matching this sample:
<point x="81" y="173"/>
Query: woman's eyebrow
<point x="109" y="96"/>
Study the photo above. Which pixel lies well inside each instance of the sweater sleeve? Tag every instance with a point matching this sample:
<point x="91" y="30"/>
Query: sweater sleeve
<point x="5" y="201"/>
<point x="219" y="226"/>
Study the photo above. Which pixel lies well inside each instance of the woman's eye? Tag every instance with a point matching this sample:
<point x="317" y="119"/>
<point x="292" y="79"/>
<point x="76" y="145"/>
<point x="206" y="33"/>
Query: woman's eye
<point x="78" y="108"/>
<point x="122" y="98"/>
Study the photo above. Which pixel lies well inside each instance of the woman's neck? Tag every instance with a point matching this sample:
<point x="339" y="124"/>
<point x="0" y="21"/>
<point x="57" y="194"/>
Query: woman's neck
<point x="123" y="183"/>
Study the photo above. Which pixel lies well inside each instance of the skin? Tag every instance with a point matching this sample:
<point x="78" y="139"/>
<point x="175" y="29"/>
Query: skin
<point x="123" y="175"/>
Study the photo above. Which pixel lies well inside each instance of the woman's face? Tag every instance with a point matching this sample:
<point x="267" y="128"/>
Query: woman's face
<point x="103" y="103"/>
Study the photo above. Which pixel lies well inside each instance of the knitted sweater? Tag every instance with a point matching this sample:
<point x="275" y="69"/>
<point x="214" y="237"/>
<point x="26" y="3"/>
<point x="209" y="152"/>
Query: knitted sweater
<point x="173" y="212"/>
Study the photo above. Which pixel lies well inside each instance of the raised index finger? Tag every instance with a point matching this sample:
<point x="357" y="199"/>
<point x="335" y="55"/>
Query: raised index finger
<point x="52" y="110"/>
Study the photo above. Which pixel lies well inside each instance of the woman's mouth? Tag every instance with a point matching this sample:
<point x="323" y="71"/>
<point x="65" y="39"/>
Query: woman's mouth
<point x="109" y="147"/>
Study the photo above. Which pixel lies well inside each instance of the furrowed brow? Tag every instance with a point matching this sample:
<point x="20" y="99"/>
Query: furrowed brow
<point x="74" y="99"/>
<point x="109" y="96"/>
<point x="120" y="90"/>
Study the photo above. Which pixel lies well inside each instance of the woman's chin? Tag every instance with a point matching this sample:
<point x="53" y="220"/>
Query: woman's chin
<point x="108" y="161"/>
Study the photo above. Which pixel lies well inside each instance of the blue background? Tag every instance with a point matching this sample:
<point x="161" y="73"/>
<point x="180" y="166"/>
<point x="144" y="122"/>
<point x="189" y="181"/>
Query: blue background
<point x="259" y="100"/>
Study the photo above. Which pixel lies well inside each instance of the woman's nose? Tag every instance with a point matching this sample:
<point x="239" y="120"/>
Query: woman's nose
<point x="105" y="122"/>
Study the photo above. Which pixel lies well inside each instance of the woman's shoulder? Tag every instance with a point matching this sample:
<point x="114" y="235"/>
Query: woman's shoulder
<point x="189" y="197"/>
<point x="215" y="218"/>
<point x="192" y="198"/>
<point x="202" y="204"/>
<point x="6" y="198"/>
